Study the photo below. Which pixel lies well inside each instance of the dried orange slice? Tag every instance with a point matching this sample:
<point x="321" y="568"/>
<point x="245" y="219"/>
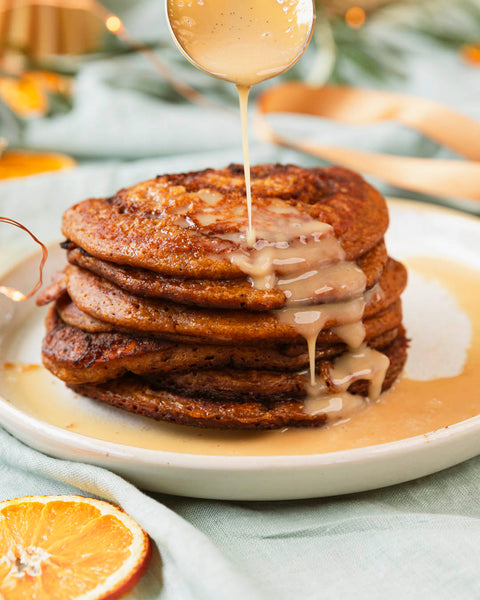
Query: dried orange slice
<point x="16" y="163"/>
<point x="58" y="547"/>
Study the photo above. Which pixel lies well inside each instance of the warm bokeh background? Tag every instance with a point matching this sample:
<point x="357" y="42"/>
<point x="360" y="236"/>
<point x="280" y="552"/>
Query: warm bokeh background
<point x="68" y="84"/>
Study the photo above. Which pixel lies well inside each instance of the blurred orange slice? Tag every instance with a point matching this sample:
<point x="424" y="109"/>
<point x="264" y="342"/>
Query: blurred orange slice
<point x="16" y="163"/>
<point x="471" y="54"/>
<point x="27" y="94"/>
<point x="23" y="96"/>
<point x="58" y="547"/>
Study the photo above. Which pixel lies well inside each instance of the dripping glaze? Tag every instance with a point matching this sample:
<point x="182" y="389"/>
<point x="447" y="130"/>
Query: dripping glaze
<point x="243" y="43"/>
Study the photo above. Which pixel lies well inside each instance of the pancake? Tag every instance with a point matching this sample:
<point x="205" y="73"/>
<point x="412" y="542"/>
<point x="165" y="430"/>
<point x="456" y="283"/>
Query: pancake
<point x="164" y="310"/>
<point x="180" y="225"/>
<point x="76" y="356"/>
<point x="247" y="385"/>
<point x="106" y="302"/>
<point x="71" y="314"/>
<point x="235" y="293"/>
<point x="56" y="289"/>
<point x="136" y="394"/>
<point x="381" y="322"/>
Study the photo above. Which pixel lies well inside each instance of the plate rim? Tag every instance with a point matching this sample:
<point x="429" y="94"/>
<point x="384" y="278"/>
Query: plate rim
<point x="167" y="458"/>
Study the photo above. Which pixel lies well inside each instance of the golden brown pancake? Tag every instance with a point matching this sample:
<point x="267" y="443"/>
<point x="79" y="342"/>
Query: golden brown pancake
<point x="159" y="224"/>
<point x="76" y="356"/>
<point x="107" y="302"/>
<point x="376" y="325"/>
<point x="254" y="384"/>
<point x="138" y="395"/>
<point x="235" y="293"/>
<point x="54" y="291"/>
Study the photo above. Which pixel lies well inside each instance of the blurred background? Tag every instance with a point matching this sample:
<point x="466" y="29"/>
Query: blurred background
<point x="103" y="81"/>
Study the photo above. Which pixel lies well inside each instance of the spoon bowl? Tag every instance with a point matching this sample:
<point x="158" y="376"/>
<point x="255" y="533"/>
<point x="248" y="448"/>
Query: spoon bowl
<point x="241" y="42"/>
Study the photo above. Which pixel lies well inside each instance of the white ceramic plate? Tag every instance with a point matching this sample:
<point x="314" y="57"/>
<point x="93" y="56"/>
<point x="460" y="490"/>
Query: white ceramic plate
<point x="416" y="229"/>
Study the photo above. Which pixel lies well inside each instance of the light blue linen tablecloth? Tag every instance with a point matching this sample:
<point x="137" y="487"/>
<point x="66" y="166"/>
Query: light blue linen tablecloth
<point x="419" y="540"/>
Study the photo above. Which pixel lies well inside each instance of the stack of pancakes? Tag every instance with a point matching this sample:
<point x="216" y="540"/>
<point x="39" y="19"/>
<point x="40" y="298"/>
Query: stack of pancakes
<point x="151" y="315"/>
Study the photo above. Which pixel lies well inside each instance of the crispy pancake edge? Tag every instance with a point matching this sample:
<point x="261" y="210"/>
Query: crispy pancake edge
<point x="134" y="395"/>
<point x="233" y="294"/>
<point x="106" y="302"/>
<point x="76" y="356"/>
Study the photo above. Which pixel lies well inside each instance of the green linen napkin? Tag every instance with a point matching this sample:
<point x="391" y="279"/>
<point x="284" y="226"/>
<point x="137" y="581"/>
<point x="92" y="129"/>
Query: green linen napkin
<point x="185" y="563"/>
<point x="414" y="541"/>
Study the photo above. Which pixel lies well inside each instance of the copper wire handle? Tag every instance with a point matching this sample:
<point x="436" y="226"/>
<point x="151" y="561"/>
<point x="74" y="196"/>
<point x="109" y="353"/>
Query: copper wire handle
<point x="12" y="293"/>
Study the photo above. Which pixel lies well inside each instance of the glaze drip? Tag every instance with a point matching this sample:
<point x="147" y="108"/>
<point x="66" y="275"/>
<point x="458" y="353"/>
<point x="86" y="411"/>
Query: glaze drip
<point x="303" y="258"/>
<point x="243" y="43"/>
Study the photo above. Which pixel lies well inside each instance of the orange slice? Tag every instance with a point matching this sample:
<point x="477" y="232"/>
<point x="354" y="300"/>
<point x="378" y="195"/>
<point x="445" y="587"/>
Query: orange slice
<point x="471" y="54"/>
<point x="23" y="96"/>
<point x="27" y="94"/>
<point x="58" y="547"/>
<point x="16" y="163"/>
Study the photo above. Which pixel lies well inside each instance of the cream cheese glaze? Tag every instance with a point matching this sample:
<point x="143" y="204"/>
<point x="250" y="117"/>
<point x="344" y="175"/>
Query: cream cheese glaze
<point x="302" y="257"/>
